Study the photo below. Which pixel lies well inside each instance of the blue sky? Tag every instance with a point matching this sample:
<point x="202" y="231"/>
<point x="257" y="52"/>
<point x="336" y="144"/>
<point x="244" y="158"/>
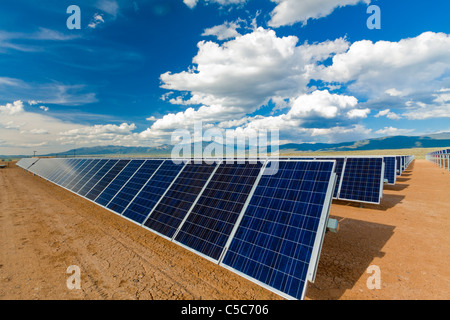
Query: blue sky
<point x="139" y="70"/>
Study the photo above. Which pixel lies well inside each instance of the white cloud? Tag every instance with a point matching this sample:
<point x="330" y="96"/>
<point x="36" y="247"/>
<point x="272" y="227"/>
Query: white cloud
<point x="420" y="111"/>
<point x="391" y="131"/>
<point x="192" y="3"/>
<point x="33" y="102"/>
<point x="96" y="20"/>
<point x="394" y="92"/>
<point x="288" y="12"/>
<point x="98" y="130"/>
<point x="409" y="65"/>
<point x="246" y="72"/>
<point x="48" y="34"/>
<point x="11" y="109"/>
<point x="358" y="113"/>
<point x="111" y="7"/>
<point x="388" y="113"/>
<point x="22" y="129"/>
<point x="309" y="115"/>
<point x="50" y="93"/>
<point x="34" y="131"/>
<point x="224" y="31"/>
<point x="44" y="108"/>
<point x="5" y="81"/>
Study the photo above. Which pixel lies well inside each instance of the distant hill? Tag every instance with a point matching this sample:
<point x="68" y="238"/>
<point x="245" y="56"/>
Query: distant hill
<point x="439" y="140"/>
<point x="394" y="142"/>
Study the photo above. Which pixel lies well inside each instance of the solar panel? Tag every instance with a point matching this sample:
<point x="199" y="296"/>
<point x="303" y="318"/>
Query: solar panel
<point x="95" y="166"/>
<point x="208" y="225"/>
<point x="362" y="180"/>
<point x="119" y="182"/>
<point x="390" y="165"/>
<point x="67" y="169"/>
<point x="96" y="177"/>
<point x="340" y="161"/>
<point x="81" y="171"/>
<point x="278" y="241"/>
<point x="59" y="167"/>
<point x="268" y="228"/>
<point x="143" y="203"/>
<point x="107" y="178"/>
<point x="123" y="198"/>
<point x="170" y="212"/>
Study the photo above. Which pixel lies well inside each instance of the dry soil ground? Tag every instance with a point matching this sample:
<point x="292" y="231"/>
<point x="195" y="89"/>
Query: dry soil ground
<point x="44" y="229"/>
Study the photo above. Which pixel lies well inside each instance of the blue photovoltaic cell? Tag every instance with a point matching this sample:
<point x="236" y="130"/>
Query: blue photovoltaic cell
<point x="59" y="168"/>
<point x="390" y="169"/>
<point x="78" y="174"/>
<point x="105" y="197"/>
<point x="103" y="183"/>
<point x="274" y="241"/>
<point x="94" y="169"/>
<point x="362" y="180"/>
<point x="48" y="166"/>
<point x="133" y="186"/>
<point x="96" y="177"/>
<point x="168" y="214"/>
<point x="338" y="170"/>
<point x="212" y="219"/>
<point x="65" y="170"/>
<point x="144" y="202"/>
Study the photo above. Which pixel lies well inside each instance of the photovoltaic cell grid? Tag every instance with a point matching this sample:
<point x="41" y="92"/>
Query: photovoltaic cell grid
<point x="107" y="178"/>
<point x="211" y="221"/>
<point x="206" y="203"/>
<point x="390" y="167"/>
<point x="338" y="170"/>
<point x="351" y="183"/>
<point x="170" y="212"/>
<point x="96" y="176"/>
<point x="124" y="197"/>
<point x="118" y="182"/>
<point x="362" y="180"/>
<point x="150" y="194"/>
<point x="284" y="221"/>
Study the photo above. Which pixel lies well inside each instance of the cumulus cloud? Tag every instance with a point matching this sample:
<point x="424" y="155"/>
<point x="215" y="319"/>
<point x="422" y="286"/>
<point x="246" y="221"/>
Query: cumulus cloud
<point x="388" y="114"/>
<point x="391" y="131"/>
<point x="224" y="31"/>
<point x="408" y="75"/>
<point x="11" y="109"/>
<point x="245" y="73"/>
<point x="398" y="68"/>
<point x="96" y="20"/>
<point x="21" y="129"/>
<point x="288" y="12"/>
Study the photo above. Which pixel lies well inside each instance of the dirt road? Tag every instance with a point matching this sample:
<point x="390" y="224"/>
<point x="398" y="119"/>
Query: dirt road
<point x="44" y="229"/>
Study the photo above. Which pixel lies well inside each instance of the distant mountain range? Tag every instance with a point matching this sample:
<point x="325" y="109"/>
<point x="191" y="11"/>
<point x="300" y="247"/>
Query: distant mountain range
<point x="394" y="142"/>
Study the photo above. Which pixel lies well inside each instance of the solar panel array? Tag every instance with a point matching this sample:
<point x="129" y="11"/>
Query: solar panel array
<point x="362" y="178"/>
<point x="440" y="158"/>
<point x="359" y="178"/>
<point x="264" y="224"/>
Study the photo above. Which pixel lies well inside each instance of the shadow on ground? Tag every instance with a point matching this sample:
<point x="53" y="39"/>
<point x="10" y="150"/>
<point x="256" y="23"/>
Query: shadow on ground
<point x="346" y="255"/>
